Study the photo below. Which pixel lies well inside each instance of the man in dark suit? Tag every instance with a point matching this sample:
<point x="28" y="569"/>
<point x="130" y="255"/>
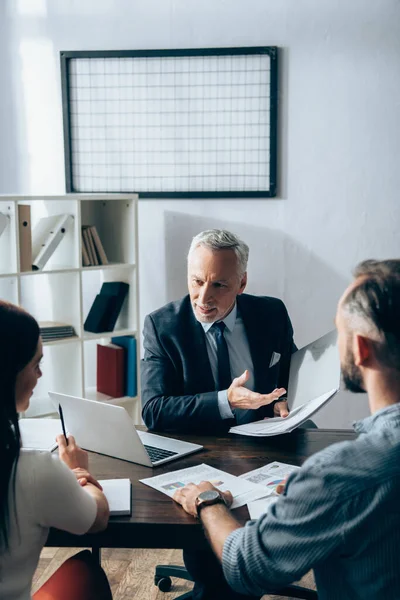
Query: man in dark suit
<point x="217" y="357"/>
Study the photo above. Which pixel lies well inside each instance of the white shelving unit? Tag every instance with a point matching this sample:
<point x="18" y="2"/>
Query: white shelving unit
<point x="65" y="290"/>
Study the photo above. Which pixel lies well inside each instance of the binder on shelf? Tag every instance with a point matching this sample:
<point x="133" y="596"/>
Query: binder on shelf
<point x="110" y="370"/>
<point x="129" y="343"/>
<point x="47" y="235"/>
<point x="25" y="237"/>
<point x="4" y="221"/>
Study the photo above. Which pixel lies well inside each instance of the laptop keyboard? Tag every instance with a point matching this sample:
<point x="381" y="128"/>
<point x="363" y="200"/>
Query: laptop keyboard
<point x="157" y="454"/>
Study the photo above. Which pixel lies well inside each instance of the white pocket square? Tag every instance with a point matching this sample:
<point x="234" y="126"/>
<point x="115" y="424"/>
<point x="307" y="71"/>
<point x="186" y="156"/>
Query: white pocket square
<point x="275" y="358"/>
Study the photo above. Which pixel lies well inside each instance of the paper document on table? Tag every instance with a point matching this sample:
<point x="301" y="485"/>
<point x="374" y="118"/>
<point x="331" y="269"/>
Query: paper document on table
<point x="270" y="476"/>
<point x="257" y="508"/>
<point x="39" y="434"/>
<point x="242" y="491"/>
<point x="279" y="425"/>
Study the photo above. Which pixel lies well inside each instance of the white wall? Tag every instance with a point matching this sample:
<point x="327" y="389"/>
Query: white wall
<point x="339" y="129"/>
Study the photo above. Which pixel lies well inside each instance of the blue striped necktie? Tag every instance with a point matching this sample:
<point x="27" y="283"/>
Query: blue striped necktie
<point x="224" y="367"/>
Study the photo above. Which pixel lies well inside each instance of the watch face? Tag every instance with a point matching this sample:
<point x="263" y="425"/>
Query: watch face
<point x="209" y="495"/>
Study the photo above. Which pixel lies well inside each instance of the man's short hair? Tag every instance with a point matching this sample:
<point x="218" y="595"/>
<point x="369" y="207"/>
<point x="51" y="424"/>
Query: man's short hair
<point x="376" y="301"/>
<point x="221" y="239"/>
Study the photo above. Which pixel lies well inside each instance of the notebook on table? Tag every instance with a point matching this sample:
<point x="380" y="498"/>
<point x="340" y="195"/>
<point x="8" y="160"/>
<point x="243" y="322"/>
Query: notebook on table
<point x="119" y="495"/>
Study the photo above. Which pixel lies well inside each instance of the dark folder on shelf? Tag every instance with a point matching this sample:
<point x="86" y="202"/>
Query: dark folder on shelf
<point x="117" y="290"/>
<point x="99" y="314"/>
<point x="106" y="307"/>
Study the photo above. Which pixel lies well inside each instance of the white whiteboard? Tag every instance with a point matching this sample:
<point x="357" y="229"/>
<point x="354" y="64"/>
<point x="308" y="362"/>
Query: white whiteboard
<point x="170" y="123"/>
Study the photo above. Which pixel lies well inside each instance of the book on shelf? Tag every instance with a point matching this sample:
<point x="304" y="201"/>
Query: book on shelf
<point x="90" y="242"/>
<point x="129" y="343"/>
<point x="46" y="236"/>
<point x="51" y="331"/>
<point x="25" y="237"/>
<point x="85" y="254"/>
<point x="106" y="307"/>
<point x="92" y="249"/>
<point x="110" y="370"/>
<point x="101" y="255"/>
<point x="4" y="221"/>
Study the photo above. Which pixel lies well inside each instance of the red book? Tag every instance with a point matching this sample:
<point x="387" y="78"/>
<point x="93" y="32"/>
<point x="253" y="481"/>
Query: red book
<point x="111" y="370"/>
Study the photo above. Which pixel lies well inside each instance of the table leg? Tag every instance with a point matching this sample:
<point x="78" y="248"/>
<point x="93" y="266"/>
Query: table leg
<point x="96" y="551"/>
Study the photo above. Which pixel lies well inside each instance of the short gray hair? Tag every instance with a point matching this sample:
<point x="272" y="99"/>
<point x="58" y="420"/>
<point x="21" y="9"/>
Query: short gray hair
<point x="374" y="305"/>
<point x="221" y="239"/>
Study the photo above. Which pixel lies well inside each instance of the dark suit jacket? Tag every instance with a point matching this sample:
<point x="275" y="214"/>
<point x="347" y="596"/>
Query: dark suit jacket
<point x="177" y="386"/>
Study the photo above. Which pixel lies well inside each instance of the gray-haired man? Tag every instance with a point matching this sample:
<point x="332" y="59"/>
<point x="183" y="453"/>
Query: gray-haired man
<point x="216" y="357"/>
<point x="340" y="513"/>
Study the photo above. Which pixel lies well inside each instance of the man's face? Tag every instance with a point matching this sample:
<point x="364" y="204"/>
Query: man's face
<point x="351" y="373"/>
<point x="213" y="283"/>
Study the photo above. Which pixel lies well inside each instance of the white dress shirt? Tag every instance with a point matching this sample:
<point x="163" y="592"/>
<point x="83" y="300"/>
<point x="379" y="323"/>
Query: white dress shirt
<point x="239" y="355"/>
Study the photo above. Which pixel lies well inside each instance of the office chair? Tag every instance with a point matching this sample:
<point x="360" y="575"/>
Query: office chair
<point x="163" y="574"/>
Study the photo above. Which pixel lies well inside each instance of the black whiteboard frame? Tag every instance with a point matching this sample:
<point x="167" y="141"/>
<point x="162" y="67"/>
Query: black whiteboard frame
<point x="271" y="51"/>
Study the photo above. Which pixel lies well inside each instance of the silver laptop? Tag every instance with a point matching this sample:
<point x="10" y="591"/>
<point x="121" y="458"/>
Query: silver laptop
<point x="108" y="429"/>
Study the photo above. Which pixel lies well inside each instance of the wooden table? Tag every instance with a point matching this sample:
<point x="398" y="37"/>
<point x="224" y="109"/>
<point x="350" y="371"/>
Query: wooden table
<point x="156" y="521"/>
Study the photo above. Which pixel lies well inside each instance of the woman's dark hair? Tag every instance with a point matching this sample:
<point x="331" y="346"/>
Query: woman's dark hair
<point x="19" y="336"/>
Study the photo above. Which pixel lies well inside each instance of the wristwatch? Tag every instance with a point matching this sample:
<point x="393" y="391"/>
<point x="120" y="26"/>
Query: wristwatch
<point x="208" y="498"/>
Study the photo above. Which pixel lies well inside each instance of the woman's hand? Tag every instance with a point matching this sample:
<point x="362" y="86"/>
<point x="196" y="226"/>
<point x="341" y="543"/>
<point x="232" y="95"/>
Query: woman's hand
<point x="73" y="456"/>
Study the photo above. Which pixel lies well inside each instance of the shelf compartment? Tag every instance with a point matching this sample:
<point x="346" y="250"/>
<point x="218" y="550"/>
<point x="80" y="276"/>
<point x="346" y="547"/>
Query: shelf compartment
<point x="9" y="289"/>
<point x="116" y="226"/>
<point x="52" y="297"/>
<point x="92" y="281"/>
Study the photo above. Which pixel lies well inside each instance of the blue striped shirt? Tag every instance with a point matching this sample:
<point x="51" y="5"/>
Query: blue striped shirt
<point x="340" y="515"/>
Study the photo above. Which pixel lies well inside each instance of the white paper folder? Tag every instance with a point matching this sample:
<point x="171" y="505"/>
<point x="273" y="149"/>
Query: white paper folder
<point x="46" y="236"/>
<point x="314" y="379"/>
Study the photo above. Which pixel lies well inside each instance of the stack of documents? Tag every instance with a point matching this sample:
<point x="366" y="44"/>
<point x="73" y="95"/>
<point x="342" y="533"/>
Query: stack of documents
<point x="314" y="378"/>
<point x="52" y="331"/>
<point x="242" y="491"/>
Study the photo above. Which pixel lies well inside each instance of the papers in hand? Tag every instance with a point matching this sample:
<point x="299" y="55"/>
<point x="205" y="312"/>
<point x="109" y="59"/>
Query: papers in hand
<point x="39" y="434"/>
<point x="270" y="476"/>
<point x="279" y="425"/>
<point x="242" y="491"/>
<point x="119" y="495"/>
